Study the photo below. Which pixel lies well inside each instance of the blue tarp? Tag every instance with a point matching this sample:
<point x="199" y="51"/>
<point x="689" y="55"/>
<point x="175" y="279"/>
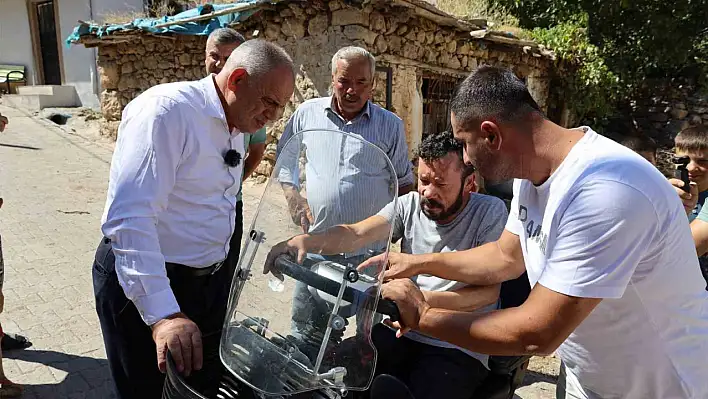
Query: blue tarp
<point x="203" y="27"/>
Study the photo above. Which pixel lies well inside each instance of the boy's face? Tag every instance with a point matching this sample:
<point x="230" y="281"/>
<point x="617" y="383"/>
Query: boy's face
<point x="697" y="168"/>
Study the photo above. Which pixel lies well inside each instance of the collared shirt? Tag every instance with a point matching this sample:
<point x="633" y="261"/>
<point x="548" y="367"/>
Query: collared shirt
<point x="363" y="177"/>
<point x="171" y="197"/>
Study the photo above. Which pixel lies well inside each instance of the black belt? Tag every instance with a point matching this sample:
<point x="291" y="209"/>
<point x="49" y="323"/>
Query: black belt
<point x="176" y="268"/>
<point x="193" y="271"/>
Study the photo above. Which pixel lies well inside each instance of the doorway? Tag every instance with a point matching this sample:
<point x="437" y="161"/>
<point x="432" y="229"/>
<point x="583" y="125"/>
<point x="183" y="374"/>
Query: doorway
<point x="45" y="41"/>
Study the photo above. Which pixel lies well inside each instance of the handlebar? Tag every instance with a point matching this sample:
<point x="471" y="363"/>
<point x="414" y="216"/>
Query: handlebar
<point x="287" y="266"/>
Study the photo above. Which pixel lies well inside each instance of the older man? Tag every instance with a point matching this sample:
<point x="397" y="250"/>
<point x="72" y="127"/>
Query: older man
<point x="219" y="46"/>
<point x="443" y="215"/>
<point x="616" y="288"/>
<point x="159" y="275"/>
<point x="347" y="110"/>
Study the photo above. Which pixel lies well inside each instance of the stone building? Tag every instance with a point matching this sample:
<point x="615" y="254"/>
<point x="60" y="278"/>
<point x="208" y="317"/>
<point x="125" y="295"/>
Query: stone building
<point x="422" y="53"/>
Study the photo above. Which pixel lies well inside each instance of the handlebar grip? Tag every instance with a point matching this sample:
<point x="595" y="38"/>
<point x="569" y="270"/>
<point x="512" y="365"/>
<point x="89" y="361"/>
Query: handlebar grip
<point x="285" y="265"/>
<point x="389" y="308"/>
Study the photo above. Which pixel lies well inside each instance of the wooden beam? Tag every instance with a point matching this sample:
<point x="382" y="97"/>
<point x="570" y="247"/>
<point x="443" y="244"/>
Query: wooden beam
<point x="241" y="8"/>
<point x="396" y="60"/>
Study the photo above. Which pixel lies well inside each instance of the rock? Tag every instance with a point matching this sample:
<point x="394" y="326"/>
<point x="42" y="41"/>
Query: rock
<point x="126" y="68"/>
<point x="410" y="50"/>
<point x="464" y="61"/>
<point x="700" y="110"/>
<point x="402" y="29"/>
<point x="297" y="10"/>
<point x="659" y="117"/>
<point x="138" y="65"/>
<point x="264" y="168"/>
<point x="439" y="37"/>
<point x="153" y="82"/>
<point x="394" y="44"/>
<point x="443" y="59"/>
<point x="270" y="152"/>
<point x="318" y="24"/>
<point x="696" y="120"/>
<point x="165" y="80"/>
<point x="377" y="22"/>
<point x="286" y="13"/>
<point x="110" y="105"/>
<point x="464" y="49"/>
<point x="452" y="46"/>
<point x="185" y="59"/>
<point x="150" y="63"/>
<point x="420" y="38"/>
<point x="349" y="16"/>
<point x="429" y="37"/>
<point x="380" y="44"/>
<point x="431" y="56"/>
<point x="676" y="126"/>
<point x="108" y="52"/>
<point x="141" y="50"/>
<point x="356" y="32"/>
<point x="335" y="5"/>
<point x="272" y="31"/>
<point x="150" y="47"/>
<point x="678" y="113"/>
<point x="453" y="63"/>
<point x="294" y="28"/>
<point x="188" y="74"/>
<point x="391" y="25"/>
<point x="680" y="105"/>
<point x="110" y="76"/>
<point x="164" y="65"/>
<point x="412" y="35"/>
<point x="179" y="73"/>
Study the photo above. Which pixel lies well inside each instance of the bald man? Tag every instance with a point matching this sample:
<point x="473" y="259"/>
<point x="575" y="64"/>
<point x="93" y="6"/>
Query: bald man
<point x="161" y="279"/>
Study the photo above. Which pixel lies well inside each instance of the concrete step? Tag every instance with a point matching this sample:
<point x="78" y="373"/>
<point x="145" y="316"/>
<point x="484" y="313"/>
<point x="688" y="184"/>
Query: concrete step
<point x="35" y="98"/>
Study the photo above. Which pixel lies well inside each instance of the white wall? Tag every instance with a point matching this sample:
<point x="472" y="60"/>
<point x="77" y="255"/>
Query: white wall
<point x="79" y="63"/>
<point x="15" y="38"/>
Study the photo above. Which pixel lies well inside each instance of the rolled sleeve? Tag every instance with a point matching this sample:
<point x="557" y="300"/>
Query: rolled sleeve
<point x="513" y="224"/>
<point x="143" y="172"/>
<point x="399" y="157"/>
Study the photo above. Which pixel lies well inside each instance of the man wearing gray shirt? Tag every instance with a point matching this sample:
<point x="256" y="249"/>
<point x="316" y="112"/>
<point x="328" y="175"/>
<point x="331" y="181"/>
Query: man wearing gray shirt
<point x="444" y="215"/>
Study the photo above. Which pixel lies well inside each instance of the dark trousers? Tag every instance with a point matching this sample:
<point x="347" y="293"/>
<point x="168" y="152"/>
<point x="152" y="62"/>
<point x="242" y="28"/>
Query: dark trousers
<point x="430" y="372"/>
<point x="131" y="351"/>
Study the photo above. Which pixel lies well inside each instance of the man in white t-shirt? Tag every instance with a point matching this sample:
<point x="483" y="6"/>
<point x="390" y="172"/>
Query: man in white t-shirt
<point x="616" y="288"/>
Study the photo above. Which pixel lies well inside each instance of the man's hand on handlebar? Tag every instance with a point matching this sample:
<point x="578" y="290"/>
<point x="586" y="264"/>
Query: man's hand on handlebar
<point x="410" y="301"/>
<point x="182" y="338"/>
<point x="295" y="247"/>
<point x="399" y="265"/>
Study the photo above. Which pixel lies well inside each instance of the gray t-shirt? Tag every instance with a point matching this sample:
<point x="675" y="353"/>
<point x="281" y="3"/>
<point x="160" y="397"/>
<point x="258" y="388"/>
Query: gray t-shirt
<point x="481" y="221"/>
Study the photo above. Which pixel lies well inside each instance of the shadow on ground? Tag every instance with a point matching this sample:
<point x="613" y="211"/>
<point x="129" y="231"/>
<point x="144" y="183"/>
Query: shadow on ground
<point x="84" y="377"/>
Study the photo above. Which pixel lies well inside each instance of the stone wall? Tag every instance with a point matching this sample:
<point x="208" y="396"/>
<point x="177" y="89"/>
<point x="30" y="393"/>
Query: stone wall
<point x="312" y="33"/>
<point x="670" y="110"/>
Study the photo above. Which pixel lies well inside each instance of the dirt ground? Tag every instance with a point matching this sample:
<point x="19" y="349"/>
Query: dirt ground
<point x="542" y="373"/>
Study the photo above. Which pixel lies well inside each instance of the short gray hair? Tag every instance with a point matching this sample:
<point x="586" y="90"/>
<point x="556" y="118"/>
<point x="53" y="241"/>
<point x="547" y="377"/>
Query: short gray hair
<point x="258" y="57"/>
<point x="226" y="36"/>
<point x="352" y="53"/>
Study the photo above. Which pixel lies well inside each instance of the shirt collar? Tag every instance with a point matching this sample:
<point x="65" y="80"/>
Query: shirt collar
<point x="213" y="105"/>
<point x="366" y="111"/>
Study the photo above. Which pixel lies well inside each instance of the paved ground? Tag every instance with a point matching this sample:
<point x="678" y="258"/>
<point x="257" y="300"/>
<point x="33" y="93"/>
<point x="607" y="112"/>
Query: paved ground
<point x="53" y="184"/>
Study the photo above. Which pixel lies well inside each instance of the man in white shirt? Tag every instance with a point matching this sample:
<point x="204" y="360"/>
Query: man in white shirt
<point x="616" y="287"/>
<point x="160" y="279"/>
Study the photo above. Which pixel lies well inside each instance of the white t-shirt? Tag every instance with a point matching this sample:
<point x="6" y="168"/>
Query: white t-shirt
<point x="607" y="224"/>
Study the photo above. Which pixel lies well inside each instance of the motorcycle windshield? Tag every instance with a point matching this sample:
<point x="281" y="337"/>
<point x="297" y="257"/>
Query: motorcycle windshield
<point x="312" y="330"/>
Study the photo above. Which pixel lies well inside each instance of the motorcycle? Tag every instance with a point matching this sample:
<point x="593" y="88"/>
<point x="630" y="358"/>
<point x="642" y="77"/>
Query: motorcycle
<point x="262" y="351"/>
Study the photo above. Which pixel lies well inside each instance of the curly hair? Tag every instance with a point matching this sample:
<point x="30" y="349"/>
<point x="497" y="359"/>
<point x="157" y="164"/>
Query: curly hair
<point x="437" y="145"/>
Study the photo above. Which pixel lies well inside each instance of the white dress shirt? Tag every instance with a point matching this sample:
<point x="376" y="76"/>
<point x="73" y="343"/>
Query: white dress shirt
<point x="171" y="197"/>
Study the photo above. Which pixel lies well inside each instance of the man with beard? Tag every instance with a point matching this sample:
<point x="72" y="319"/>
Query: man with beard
<point x="616" y="289"/>
<point x="444" y="215"/>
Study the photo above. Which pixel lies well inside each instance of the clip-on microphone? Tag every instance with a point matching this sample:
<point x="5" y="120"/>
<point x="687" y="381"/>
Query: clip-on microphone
<point x="232" y="158"/>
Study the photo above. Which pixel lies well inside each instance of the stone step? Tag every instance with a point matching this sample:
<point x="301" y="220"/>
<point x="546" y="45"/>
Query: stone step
<point x="35" y="98"/>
